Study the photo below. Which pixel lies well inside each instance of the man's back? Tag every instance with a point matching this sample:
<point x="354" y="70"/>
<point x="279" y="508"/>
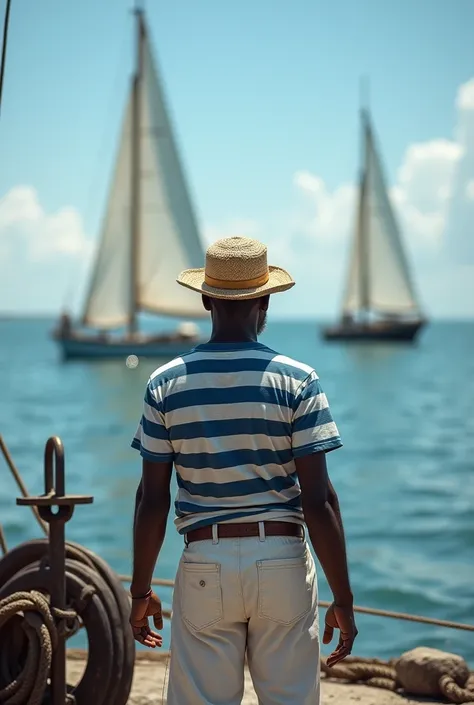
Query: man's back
<point x="247" y="430"/>
<point x="233" y="418"/>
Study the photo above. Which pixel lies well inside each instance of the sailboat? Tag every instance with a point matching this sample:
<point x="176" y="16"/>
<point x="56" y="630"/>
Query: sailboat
<point x="149" y="234"/>
<point x="380" y="301"/>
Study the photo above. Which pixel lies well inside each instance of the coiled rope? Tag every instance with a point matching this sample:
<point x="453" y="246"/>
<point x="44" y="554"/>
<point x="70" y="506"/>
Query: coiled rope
<point x="383" y="674"/>
<point x="454" y="693"/>
<point x="29" y="627"/>
<point x="29" y="686"/>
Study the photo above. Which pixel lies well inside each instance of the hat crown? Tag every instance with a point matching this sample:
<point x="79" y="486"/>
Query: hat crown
<point x="235" y="259"/>
<point x="236" y="269"/>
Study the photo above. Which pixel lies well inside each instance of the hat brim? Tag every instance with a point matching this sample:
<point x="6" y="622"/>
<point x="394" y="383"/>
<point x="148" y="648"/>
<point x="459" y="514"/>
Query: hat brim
<point x="278" y="280"/>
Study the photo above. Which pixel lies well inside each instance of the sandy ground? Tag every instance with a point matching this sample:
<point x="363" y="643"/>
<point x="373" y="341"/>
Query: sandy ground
<point x="151" y="672"/>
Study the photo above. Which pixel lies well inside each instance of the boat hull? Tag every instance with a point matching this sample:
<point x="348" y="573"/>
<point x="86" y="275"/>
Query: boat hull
<point x="392" y="331"/>
<point x="76" y="348"/>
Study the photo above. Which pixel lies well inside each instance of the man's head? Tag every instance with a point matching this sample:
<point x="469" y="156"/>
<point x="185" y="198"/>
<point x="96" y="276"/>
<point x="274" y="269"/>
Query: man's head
<point x="237" y="315"/>
<point x="236" y="284"/>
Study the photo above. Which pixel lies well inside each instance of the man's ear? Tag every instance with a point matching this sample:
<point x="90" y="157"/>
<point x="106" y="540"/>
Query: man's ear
<point x="206" y="302"/>
<point x="264" y="302"/>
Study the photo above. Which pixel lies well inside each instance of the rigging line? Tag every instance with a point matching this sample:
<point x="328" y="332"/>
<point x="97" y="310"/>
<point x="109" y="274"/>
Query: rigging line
<point x="6" y="23"/>
<point x="19" y="481"/>
<point x="357" y="608"/>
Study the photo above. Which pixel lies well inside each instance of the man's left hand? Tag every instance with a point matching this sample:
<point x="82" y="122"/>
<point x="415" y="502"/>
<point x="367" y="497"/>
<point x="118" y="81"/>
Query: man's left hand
<point x="142" y="609"/>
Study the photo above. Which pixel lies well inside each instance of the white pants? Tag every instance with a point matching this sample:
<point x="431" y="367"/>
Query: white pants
<point x="245" y="595"/>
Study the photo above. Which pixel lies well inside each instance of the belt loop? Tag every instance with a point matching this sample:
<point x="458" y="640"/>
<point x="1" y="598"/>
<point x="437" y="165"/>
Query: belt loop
<point x="186" y="542"/>
<point x="215" y="534"/>
<point x="261" y="531"/>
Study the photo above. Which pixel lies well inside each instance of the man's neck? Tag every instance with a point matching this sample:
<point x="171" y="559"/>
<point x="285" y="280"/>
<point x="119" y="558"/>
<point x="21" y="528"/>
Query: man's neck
<point x="222" y="335"/>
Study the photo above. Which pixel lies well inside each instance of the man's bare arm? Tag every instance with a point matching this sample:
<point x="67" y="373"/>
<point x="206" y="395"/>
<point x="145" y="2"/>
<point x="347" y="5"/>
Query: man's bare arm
<point x="322" y="517"/>
<point x="151" y="514"/>
<point x="138" y="499"/>
<point x="333" y="500"/>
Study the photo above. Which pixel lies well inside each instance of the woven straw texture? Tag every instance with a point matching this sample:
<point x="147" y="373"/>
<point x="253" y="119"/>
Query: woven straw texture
<point x="237" y="259"/>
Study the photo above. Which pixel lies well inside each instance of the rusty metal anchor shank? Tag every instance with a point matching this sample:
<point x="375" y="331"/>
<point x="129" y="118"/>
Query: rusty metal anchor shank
<point x="55" y="496"/>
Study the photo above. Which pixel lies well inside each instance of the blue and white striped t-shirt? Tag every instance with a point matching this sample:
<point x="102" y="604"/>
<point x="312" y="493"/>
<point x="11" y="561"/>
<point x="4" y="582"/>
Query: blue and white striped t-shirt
<point x="233" y="417"/>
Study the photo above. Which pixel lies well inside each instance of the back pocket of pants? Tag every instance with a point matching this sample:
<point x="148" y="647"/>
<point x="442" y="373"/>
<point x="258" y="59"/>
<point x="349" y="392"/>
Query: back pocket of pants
<point x="285" y="589"/>
<point x="201" y="594"/>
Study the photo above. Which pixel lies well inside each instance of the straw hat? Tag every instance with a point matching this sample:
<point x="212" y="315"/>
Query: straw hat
<point x="236" y="268"/>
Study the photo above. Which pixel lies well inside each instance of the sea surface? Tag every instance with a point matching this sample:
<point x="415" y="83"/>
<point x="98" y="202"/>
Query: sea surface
<point x="405" y="475"/>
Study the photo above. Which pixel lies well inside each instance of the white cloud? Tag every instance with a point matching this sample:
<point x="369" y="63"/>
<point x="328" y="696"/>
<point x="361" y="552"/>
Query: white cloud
<point x="420" y="195"/>
<point x="326" y="220"/>
<point x="44" y="235"/>
<point x="43" y="255"/>
<point x="465" y="98"/>
<point x="429" y="159"/>
<point x="470" y="190"/>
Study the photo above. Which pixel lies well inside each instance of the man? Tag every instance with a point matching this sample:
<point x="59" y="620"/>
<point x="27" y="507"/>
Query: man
<point x="247" y="430"/>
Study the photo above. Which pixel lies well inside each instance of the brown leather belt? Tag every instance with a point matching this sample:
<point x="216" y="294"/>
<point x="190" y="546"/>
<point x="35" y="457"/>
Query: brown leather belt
<point x="233" y="531"/>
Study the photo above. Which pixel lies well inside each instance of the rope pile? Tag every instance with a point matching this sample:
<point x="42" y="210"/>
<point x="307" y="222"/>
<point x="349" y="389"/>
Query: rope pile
<point x="380" y="674"/>
<point x="96" y="602"/>
<point x="40" y="629"/>
<point x="383" y="674"/>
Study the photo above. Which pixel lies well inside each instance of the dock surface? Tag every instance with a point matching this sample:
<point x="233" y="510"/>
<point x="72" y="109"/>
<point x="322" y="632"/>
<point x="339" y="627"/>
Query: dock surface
<point x="151" y="672"/>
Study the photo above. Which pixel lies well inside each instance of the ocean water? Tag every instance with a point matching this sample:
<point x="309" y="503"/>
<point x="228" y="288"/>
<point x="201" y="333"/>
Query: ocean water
<point x="405" y="476"/>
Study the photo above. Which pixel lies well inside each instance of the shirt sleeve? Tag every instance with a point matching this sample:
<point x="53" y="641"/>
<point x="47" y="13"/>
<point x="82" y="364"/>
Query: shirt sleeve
<point x="152" y="437"/>
<point x="313" y="427"/>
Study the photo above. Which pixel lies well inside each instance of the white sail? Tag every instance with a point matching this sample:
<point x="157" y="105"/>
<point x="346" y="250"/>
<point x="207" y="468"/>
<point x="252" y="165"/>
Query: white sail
<point x="110" y="299"/>
<point x="389" y="282"/>
<point x="379" y="277"/>
<point x="168" y="238"/>
<point x="353" y="295"/>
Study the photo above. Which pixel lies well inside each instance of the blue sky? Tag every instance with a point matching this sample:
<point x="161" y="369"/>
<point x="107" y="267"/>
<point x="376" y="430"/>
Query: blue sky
<point x="264" y="96"/>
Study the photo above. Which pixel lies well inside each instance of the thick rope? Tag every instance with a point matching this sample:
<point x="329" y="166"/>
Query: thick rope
<point x="454" y="693"/>
<point x="40" y="628"/>
<point x="382" y="674"/>
<point x="357" y="670"/>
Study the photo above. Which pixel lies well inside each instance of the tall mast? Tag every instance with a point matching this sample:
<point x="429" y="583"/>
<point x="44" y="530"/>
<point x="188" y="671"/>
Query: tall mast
<point x="6" y="23"/>
<point x="363" y="235"/>
<point x="136" y="173"/>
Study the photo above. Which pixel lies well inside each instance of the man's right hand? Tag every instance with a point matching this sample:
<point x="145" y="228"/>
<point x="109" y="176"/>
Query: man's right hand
<point x="342" y="618"/>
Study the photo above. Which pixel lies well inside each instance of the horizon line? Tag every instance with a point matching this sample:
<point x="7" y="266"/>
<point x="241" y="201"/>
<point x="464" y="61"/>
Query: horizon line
<point x="289" y="318"/>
